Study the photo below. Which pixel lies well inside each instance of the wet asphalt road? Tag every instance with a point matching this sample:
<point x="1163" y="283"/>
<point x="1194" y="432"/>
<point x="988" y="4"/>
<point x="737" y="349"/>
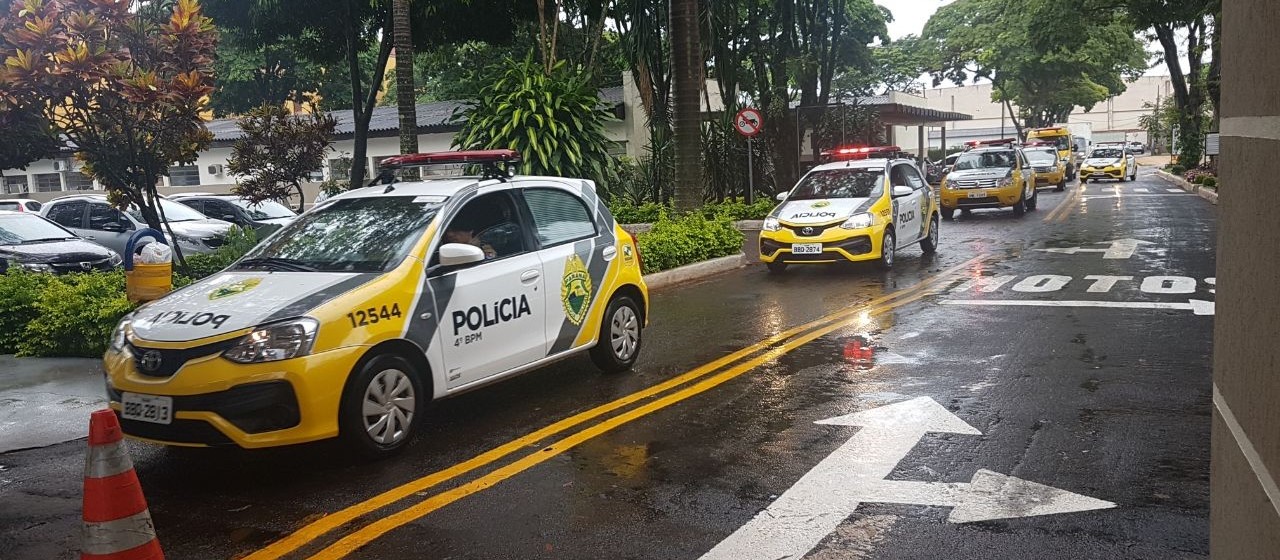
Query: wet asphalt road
<point x="1107" y="402"/>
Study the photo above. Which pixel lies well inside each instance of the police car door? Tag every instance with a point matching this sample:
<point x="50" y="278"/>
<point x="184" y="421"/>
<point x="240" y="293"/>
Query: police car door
<point x="908" y="217"/>
<point x="577" y="249"/>
<point x="493" y="319"/>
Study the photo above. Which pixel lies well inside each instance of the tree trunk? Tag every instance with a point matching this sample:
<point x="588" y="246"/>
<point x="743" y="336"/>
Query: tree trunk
<point x="686" y="54"/>
<point x="406" y="100"/>
<point x="361" y="137"/>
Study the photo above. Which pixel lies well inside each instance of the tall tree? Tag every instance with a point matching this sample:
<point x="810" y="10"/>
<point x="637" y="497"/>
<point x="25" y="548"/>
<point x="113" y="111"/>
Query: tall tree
<point x="687" y="62"/>
<point x="1196" y="23"/>
<point x="405" y="85"/>
<point x="123" y="84"/>
<point x="645" y="38"/>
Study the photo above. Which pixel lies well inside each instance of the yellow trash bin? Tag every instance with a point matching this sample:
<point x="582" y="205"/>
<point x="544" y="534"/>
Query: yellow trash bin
<point x="148" y="282"/>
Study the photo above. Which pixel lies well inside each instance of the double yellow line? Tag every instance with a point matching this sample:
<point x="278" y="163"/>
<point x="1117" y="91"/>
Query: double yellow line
<point x="707" y="376"/>
<point x="1063" y="210"/>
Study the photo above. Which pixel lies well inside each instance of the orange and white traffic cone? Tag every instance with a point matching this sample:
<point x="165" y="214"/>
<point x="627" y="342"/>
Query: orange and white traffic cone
<point x="117" y="524"/>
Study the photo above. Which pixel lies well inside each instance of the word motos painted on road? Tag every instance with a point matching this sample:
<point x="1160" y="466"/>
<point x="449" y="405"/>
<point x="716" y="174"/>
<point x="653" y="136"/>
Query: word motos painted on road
<point x="1092" y="283"/>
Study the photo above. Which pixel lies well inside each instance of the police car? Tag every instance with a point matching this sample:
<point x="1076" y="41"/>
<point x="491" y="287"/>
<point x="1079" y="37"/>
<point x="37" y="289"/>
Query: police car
<point x="348" y="321"/>
<point x="863" y="206"/>
<point x="1109" y="161"/>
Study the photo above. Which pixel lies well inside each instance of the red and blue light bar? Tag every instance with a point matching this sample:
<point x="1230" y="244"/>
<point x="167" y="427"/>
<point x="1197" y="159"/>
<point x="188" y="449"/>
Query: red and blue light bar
<point x="447" y="158"/>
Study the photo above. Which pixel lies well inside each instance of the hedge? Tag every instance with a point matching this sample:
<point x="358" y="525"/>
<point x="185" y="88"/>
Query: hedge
<point x="733" y="208"/>
<point x="694" y="238"/>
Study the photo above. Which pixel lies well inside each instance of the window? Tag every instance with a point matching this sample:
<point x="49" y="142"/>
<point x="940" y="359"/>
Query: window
<point x="849" y="182"/>
<point x="197" y="205"/>
<point x="15" y="184"/>
<point x="489" y="222"/>
<point x="77" y="181"/>
<point x="101" y="214"/>
<point x="220" y="210"/>
<point x="33" y="206"/>
<point x="48" y="182"/>
<point x="9" y="206"/>
<point x="68" y="214"/>
<point x="912" y="176"/>
<point x="184" y="176"/>
<point x="340" y="169"/>
<point x="558" y="216"/>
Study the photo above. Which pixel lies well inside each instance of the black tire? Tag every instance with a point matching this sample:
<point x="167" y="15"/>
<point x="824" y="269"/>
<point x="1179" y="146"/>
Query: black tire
<point x="1033" y="201"/>
<point x="621" y="332"/>
<point x="353" y="424"/>
<point x="930" y="242"/>
<point x="948" y="213"/>
<point x="1083" y="180"/>
<point x="776" y="267"/>
<point x="887" y="250"/>
<point x="1020" y="207"/>
<point x="1062" y="185"/>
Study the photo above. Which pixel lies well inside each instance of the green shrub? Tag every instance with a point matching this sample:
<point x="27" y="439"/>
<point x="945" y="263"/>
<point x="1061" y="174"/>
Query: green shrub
<point x="19" y="292"/>
<point x="693" y="238"/>
<point x="647" y="213"/>
<point x="1210" y="182"/>
<point x="75" y="315"/>
<point x="736" y="209"/>
<point x="1177" y="170"/>
<point x="238" y="242"/>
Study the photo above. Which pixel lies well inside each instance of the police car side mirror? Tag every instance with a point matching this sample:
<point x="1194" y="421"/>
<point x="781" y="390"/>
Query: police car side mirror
<point x="782" y="196"/>
<point x="902" y="190"/>
<point x="458" y="254"/>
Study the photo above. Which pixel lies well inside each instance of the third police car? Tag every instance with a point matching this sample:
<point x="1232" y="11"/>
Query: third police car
<point x="861" y="207"/>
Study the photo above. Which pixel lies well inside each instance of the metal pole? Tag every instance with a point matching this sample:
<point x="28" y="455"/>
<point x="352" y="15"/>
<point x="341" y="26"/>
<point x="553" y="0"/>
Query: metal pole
<point x="751" y="179"/>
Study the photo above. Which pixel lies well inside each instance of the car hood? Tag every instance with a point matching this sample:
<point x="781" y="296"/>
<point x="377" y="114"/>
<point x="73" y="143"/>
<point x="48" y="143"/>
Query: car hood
<point x="201" y="228"/>
<point x="235" y="300"/>
<point x="1101" y="162"/>
<point x="977" y="174"/>
<point x="71" y="250"/>
<point x="818" y="211"/>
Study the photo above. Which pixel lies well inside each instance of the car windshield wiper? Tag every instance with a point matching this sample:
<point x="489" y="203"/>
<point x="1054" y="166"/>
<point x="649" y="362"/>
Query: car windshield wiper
<point x="46" y="239"/>
<point x="280" y="263"/>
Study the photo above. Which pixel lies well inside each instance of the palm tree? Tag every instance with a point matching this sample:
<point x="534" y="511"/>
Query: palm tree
<point x="406" y="100"/>
<point x="686" y="56"/>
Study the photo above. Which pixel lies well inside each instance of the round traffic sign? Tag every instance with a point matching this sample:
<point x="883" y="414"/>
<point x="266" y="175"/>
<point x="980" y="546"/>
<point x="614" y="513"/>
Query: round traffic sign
<point x="748" y="122"/>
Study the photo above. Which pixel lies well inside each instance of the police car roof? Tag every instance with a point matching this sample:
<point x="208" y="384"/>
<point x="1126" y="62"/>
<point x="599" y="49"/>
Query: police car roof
<point x="868" y="163"/>
<point x="444" y="187"/>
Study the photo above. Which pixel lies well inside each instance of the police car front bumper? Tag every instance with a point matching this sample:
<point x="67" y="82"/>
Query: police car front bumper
<point x="834" y="244"/>
<point x="216" y="402"/>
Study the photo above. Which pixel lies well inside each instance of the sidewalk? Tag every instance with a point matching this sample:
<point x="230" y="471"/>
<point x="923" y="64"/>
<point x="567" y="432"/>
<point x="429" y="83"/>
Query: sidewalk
<point x="46" y="401"/>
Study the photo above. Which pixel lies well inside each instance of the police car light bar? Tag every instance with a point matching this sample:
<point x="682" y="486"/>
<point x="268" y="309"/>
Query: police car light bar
<point x="860" y="153"/>
<point x="998" y="142"/>
<point x="446" y="158"/>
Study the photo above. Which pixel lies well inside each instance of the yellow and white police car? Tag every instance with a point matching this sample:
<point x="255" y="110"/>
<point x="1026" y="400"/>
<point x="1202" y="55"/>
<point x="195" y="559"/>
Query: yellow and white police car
<point x="1109" y="161"/>
<point x="862" y="207"/>
<point x="348" y="321"/>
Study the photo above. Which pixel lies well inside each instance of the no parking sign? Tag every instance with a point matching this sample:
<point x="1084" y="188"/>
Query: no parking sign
<point x="748" y="122"/>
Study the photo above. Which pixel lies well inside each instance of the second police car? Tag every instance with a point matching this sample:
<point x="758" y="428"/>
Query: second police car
<point x="1109" y="161"/>
<point x="994" y="175"/>
<point x="348" y="321"/>
<point x="862" y="207"/>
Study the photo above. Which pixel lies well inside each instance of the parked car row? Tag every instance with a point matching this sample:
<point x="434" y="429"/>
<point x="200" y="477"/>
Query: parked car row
<point x="84" y="232"/>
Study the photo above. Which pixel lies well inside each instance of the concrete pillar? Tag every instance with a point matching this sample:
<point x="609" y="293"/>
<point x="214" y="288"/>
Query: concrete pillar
<point x="922" y="147"/>
<point x="943" y="134"/>
<point x="889" y="136"/>
<point x="1244" y="498"/>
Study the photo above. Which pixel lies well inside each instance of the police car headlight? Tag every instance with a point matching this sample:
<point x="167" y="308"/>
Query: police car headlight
<point x="858" y="221"/>
<point x="120" y="337"/>
<point x="280" y="341"/>
<point x="1005" y="182"/>
<point x="771" y="224"/>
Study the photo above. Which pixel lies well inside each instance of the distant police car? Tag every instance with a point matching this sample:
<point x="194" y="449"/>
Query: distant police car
<point x="862" y="207"/>
<point x="1109" y="161"/>
<point x="348" y="321"/>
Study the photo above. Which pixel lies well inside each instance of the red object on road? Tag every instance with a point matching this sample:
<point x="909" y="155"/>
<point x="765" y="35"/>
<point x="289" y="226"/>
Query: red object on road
<point x="854" y="351"/>
<point x="117" y="523"/>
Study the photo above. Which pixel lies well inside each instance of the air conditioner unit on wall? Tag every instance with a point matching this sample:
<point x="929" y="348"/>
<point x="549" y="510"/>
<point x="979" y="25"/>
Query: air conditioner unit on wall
<point x="215" y="169"/>
<point x="61" y="165"/>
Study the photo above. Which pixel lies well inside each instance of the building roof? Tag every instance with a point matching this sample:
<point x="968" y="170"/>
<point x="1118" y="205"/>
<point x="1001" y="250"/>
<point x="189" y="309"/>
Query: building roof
<point x="432" y="117"/>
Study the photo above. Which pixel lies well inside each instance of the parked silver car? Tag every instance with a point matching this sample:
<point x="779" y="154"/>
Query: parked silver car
<point x="91" y="217"/>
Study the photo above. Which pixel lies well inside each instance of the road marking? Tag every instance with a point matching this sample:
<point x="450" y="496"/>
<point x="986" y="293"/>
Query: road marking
<point x="1142" y="190"/>
<point x="1117" y="249"/>
<point x="372" y="531"/>
<point x="795" y="523"/>
<point x="1060" y="212"/>
<point x="1115" y="196"/>
<point x="324" y="525"/>
<point x="1179" y="191"/>
<point x="1197" y="306"/>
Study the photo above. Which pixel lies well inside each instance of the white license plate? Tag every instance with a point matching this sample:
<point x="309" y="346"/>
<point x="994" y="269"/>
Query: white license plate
<point x="977" y="194"/>
<point x="147" y="408"/>
<point x="806" y="249"/>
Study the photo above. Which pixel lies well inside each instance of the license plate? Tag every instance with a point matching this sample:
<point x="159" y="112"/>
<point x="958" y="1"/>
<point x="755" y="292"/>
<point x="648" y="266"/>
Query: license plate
<point x="806" y="249"/>
<point x="147" y="408"/>
<point x="977" y="194"/>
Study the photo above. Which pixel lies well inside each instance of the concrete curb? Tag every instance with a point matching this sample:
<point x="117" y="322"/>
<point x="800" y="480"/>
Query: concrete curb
<point x="1210" y="195"/>
<point x="695" y="271"/>
<point x="742" y="225"/>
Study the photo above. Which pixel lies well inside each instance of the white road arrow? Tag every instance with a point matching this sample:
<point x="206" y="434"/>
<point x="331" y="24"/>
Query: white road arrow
<point x="854" y="473"/>
<point x="1117" y="249"/>
<point x="1196" y="306"/>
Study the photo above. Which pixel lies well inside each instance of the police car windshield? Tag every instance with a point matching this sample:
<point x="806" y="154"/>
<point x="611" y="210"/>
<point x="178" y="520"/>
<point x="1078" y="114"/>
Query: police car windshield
<point x="851" y="182"/>
<point x="1107" y="153"/>
<point x="1042" y="156"/>
<point x="986" y="160"/>
<point x="1062" y="142"/>
<point x="371" y="234"/>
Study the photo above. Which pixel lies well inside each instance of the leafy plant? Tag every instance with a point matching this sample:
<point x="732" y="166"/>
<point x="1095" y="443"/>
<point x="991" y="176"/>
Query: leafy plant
<point x="737" y="209"/>
<point x="645" y="213"/>
<point x="19" y="292"/>
<point x="1210" y="181"/>
<point x="77" y="314"/>
<point x="278" y="152"/>
<point x="238" y="242"/>
<point x="553" y="118"/>
<point x="693" y="238"/>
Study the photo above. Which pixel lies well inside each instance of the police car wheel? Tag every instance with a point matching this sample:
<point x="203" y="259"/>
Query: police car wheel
<point x="930" y="242"/>
<point x="380" y="406"/>
<point x="887" y="250"/>
<point x="620" y="336"/>
<point x="1020" y="207"/>
<point x="948" y="213"/>
<point x="1034" y="200"/>
<point x="1062" y="186"/>
<point x="776" y="267"/>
